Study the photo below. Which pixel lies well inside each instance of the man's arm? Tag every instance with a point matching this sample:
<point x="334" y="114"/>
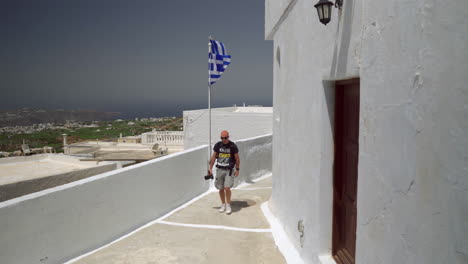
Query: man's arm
<point x="236" y="156"/>
<point x="212" y="161"/>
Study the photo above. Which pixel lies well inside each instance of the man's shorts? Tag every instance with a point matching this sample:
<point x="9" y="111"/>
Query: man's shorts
<point x="223" y="179"/>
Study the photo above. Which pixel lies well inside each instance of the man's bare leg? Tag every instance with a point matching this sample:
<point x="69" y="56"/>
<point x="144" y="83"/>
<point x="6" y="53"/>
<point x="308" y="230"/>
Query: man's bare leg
<point x="221" y="195"/>
<point x="228" y="195"/>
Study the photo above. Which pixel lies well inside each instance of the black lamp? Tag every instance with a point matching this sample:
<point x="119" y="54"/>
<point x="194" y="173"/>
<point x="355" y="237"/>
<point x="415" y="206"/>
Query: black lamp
<point x="324" y="8"/>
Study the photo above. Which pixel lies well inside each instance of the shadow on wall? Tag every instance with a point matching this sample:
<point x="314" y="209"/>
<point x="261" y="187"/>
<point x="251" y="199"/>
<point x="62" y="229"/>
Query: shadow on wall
<point x="326" y="166"/>
<point x="340" y="54"/>
<point x="329" y="92"/>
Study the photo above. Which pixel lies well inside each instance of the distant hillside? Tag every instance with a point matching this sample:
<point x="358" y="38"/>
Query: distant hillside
<point x="27" y="116"/>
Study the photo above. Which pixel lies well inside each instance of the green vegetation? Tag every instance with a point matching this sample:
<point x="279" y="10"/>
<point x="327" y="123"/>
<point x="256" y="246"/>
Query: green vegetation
<point x="105" y="130"/>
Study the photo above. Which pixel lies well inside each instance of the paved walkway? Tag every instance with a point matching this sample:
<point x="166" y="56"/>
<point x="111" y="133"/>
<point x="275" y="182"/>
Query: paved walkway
<point x="198" y="233"/>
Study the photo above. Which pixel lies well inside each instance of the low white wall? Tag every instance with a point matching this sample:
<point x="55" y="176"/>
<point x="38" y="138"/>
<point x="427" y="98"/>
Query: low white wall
<point x="57" y="224"/>
<point x="255" y="156"/>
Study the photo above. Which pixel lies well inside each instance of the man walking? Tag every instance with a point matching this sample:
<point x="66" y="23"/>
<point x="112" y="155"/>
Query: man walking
<point x="227" y="155"/>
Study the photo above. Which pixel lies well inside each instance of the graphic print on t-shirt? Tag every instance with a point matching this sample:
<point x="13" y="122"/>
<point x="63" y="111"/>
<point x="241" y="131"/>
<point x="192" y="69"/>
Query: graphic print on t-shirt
<point x="225" y="153"/>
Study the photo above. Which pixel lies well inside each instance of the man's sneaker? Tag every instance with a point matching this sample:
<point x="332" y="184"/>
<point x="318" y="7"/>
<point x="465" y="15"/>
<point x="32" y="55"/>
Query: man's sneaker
<point x="222" y="208"/>
<point x="228" y="209"/>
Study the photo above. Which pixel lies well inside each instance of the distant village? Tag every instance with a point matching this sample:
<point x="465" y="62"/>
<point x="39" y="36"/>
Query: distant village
<point x="68" y="125"/>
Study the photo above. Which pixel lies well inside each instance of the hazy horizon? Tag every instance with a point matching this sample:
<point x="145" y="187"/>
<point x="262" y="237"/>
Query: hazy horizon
<point x="141" y="58"/>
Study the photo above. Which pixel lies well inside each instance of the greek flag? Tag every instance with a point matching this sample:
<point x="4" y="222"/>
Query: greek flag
<point x="218" y="60"/>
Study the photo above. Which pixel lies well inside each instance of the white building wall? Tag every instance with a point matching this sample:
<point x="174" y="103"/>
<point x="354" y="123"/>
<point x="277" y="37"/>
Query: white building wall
<point x="299" y="102"/>
<point x="240" y="125"/>
<point x="413" y="156"/>
<point x="413" y="185"/>
<point x="58" y="224"/>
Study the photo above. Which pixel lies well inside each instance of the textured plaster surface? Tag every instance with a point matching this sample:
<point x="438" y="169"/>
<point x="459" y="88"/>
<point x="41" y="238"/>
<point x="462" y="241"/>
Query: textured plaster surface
<point x="413" y="203"/>
<point x="413" y="140"/>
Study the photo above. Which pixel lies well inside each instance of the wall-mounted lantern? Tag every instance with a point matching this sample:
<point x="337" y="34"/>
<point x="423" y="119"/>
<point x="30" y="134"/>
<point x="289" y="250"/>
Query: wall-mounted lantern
<point x="324" y="8"/>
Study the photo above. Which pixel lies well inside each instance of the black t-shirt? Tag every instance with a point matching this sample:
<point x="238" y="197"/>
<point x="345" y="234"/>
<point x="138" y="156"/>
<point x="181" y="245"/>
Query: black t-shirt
<point x="226" y="153"/>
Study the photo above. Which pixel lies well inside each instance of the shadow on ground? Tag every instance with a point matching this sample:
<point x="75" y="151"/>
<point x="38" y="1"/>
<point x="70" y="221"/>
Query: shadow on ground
<point x="237" y="205"/>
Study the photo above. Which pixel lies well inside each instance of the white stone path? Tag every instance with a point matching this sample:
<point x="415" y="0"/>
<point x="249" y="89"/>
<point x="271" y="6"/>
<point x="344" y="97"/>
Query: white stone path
<point x="198" y="233"/>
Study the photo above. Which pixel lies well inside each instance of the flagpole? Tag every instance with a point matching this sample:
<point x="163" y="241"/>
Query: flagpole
<point x="209" y="107"/>
<point x="209" y="118"/>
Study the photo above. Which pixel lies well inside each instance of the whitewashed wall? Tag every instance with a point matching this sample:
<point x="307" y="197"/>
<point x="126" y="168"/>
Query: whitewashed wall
<point x="239" y="124"/>
<point x="413" y="198"/>
<point x="413" y="157"/>
<point x="255" y="156"/>
<point x="302" y="144"/>
<point x="57" y="224"/>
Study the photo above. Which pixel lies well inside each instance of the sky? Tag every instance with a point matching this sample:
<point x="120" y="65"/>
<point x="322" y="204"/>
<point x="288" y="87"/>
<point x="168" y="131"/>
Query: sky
<point x="138" y="57"/>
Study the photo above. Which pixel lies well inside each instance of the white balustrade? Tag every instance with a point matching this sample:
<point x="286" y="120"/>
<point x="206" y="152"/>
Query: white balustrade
<point x="163" y="137"/>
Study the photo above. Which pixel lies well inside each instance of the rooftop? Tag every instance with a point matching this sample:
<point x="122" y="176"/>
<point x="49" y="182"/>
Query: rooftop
<point x="238" y="109"/>
<point x="25" y="168"/>
<point x="254" y="109"/>
<point x="28" y="174"/>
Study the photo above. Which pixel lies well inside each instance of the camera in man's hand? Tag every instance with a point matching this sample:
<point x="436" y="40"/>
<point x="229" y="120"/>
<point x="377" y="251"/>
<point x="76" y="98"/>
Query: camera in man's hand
<point x="209" y="176"/>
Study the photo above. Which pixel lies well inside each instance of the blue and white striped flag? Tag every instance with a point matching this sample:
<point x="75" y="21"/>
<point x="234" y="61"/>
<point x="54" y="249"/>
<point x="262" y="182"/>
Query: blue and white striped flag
<point x="218" y="60"/>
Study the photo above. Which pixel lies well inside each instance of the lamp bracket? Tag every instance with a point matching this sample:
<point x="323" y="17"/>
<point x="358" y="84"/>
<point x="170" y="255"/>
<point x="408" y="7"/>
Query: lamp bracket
<point x="339" y="4"/>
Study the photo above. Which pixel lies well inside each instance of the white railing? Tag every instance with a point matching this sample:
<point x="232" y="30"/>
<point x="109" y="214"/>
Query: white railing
<point x="163" y="138"/>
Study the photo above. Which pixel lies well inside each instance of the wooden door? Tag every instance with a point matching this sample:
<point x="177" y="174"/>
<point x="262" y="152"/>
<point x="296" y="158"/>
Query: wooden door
<point x="345" y="171"/>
